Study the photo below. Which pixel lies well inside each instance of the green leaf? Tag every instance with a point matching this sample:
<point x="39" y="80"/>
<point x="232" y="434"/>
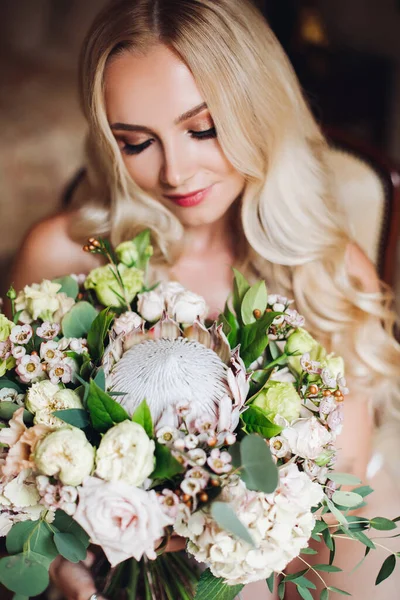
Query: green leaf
<point x="347" y="499"/>
<point x="361" y="537"/>
<point x="386" y="569"/>
<point x="344" y="478"/>
<point x="382" y="524"/>
<point x="254" y="338"/>
<point x="77" y="417"/>
<point x="364" y="490"/>
<point x="100" y="379"/>
<point x="18" y="535"/>
<point x="355" y="523"/>
<point x="142" y="416"/>
<point x="324" y="594"/>
<point x="104" y="411"/>
<point x="69" y="286"/>
<point x="240" y="287"/>
<point x="294" y="576"/>
<point x="232" y="323"/>
<point x="308" y="551"/>
<point x="226" y="518"/>
<point x="254" y="299"/>
<point x="304" y="593"/>
<point x="7" y="409"/>
<point x="305" y="583"/>
<point x="281" y="591"/>
<point x="327" y="568"/>
<point x="270" y="582"/>
<point x="319" y="526"/>
<point x="142" y="243"/>
<point x="256" y="422"/>
<point x="67" y="524"/>
<point x="166" y="465"/>
<point x="98" y="333"/>
<point x="77" y="322"/>
<point x="69" y="547"/>
<point x="338" y="591"/>
<point x="214" y="588"/>
<point x="336" y="512"/>
<point x="326" y="535"/>
<point x="20" y="597"/>
<point x="259" y="471"/>
<point x="24" y="575"/>
<point x="7" y="383"/>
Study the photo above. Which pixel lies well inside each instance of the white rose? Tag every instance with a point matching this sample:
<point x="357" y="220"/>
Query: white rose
<point x="66" y="454"/>
<point x="169" y="289"/>
<point x="125" y="453"/>
<point x="40" y="396"/>
<point x="186" y="306"/>
<point x="124" y="520"/>
<point x="307" y="437"/>
<point x="127" y="322"/>
<point x="150" y="305"/>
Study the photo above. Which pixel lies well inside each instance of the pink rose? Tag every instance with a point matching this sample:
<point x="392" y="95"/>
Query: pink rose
<point x="124" y="520"/>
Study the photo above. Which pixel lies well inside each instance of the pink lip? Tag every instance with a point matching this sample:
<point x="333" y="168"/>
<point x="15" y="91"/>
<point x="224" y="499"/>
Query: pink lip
<point x="189" y="199"/>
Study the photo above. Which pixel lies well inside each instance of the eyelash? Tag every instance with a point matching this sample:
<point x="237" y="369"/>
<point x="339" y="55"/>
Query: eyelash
<point x="197" y="135"/>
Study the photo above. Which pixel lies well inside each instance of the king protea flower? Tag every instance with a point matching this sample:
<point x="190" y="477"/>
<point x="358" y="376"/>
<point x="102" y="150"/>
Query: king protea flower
<point x="189" y="374"/>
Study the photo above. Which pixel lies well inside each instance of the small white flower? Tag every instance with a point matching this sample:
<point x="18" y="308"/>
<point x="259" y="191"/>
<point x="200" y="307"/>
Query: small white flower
<point x="78" y="345"/>
<point x="335" y="420"/>
<point x="192" y="487"/>
<point x="11" y="395"/>
<point x="341" y="381"/>
<point x="191" y="441"/>
<point x="327" y="378"/>
<point x="18" y="352"/>
<point x="279" y="446"/>
<point x="278" y="307"/>
<point x="278" y="320"/>
<point x="29" y="368"/>
<point x="205" y="424"/>
<point x="167" y="435"/>
<point x="50" y="353"/>
<point x="169" y="503"/>
<point x="293" y="318"/>
<point x="21" y="334"/>
<point x="219" y="462"/>
<point x="48" y="331"/>
<point x="5" y="349"/>
<point x="310" y="366"/>
<point x="60" y="371"/>
<point x="198" y="456"/>
<point x="199" y="475"/>
<point x="327" y="405"/>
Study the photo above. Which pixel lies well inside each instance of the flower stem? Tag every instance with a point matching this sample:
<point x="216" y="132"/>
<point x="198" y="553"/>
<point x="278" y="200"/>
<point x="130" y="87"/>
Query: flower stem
<point x="313" y="570"/>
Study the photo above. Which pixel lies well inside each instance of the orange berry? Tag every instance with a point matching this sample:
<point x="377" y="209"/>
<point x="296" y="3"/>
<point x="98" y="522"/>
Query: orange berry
<point x="204" y="497"/>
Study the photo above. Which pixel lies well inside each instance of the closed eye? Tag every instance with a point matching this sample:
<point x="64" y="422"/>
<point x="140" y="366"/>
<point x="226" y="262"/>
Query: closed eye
<point x="198" y="135"/>
<point x="204" y="135"/>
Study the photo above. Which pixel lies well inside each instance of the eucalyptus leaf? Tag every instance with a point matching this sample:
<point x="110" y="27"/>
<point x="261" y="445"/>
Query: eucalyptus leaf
<point x="281" y="591"/>
<point x="18" y="535"/>
<point x="77" y="322"/>
<point x="22" y="574"/>
<point x="259" y="472"/>
<point x="104" y="411"/>
<point x="327" y="568"/>
<point x="7" y="409"/>
<point x="254" y="299"/>
<point x="386" y="569"/>
<point x="142" y="416"/>
<point x="77" y="417"/>
<point x="336" y="512"/>
<point x="344" y="478"/>
<point x="65" y="523"/>
<point x="69" y="547"/>
<point x="324" y="594"/>
<point x="347" y="499"/>
<point x="361" y="537"/>
<point x="382" y="524"/>
<point x="214" y="588"/>
<point x="338" y="591"/>
<point x="227" y="519"/>
<point x="304" y="593"/>
<point x="7" y="383"/>
<point x="308" y="551"/>
<point x="69" y="286"/>
<point x="100" y="379"/>
<point x="270" y="582"/>
<point x="364" y="490"/>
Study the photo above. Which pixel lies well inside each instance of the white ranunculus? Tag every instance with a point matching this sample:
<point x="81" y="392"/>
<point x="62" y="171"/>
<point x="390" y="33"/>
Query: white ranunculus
<point x="40" y="395"/>
<point x="124" y="520"/>
<point x="150" y="305"/>
<point x="186" y="307"/>
<point x="126" y="453"/>
<point x="43" y="300"/>
<point x="65" y="454"/>
<point x="307" y="437"/>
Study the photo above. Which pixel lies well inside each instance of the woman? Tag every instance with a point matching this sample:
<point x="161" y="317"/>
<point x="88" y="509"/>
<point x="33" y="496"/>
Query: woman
<point x="199" y="131"/>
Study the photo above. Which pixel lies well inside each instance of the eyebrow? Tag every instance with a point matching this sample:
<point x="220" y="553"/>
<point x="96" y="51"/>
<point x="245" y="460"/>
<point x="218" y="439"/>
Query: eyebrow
<point x="184" y="117"/>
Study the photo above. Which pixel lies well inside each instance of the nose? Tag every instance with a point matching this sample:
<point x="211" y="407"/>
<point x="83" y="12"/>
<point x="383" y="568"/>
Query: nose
<point x="178" y="165"/>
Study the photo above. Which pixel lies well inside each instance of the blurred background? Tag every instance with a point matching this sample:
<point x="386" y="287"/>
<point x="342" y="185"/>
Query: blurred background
<point x="345" y="52"/>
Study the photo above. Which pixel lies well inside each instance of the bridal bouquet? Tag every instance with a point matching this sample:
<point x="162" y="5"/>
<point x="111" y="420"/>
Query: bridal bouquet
<point x="125" y="418"/>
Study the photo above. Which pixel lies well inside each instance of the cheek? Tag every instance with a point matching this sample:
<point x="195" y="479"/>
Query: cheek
<point x="144" y="172"/>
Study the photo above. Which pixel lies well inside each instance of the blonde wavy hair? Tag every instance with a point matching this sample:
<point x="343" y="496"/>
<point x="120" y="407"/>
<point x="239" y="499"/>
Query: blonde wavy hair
<point x="292" y="230"/>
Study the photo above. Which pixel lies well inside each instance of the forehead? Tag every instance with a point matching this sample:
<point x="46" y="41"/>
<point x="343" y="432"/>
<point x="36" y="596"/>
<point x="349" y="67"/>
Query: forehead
<point x="148" y="88"/>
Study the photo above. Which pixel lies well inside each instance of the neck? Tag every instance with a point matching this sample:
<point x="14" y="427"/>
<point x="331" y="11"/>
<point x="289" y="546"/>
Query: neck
<point x="211" y="238"/>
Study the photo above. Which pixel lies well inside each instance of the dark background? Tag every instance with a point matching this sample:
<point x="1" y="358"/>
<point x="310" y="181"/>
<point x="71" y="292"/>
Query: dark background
<point x="345" y="52"/>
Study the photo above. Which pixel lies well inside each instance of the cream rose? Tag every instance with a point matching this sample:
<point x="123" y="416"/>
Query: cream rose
<point x="186" y="306"/>
<point x="43" y="301"/>
<point x="124" y="520"/>
<point x="307" y="437"/>
<point x="125" y="453"/>
<point x="66" y="454"/>
<point x="150" y="305"/>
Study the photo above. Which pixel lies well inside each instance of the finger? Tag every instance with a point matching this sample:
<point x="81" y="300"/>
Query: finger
<point x="89" y="560"/>
<point x="175" y="544"/>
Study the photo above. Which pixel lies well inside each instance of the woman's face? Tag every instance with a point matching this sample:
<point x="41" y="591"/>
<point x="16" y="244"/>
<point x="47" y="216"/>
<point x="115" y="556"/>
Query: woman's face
<point x="166" y="136"/>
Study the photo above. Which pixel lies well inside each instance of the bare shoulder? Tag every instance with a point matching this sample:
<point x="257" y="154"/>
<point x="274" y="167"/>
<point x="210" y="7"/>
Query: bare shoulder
<point x="47" y="251"/>
<point x="360" y="267"/>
